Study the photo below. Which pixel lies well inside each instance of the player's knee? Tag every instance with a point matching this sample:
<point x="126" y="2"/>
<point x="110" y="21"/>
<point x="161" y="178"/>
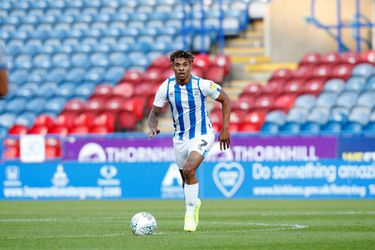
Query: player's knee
<point x="189" y="172"/>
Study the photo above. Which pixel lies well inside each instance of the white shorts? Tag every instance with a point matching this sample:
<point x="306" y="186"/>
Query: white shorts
<point x="201" y="144"/>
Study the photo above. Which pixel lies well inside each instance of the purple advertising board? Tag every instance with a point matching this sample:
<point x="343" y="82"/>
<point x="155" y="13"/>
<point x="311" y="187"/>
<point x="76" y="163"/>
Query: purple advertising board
<point x="160" y="149"/>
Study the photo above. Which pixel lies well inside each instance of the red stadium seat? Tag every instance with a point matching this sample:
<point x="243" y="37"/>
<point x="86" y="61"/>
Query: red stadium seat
<point x="285" y="102"/>
<point x="53" y="148"/>
<point x="294" y="86"/>
<point x="95" y="105"/>
<point x="216" y="74"/>
<point x="314" y="86"/>
<point x="283" y="74"/>
<point x="154" y="76"/>
<point x="99" y="130"/>
<point x="74" y="105"/>
<point x="369" y="56"/>
<point x="199" y="72"/>
<point x="343" y="71"/>
<point x="126" y="121"/>
<point x="79" y="130"/>
<point x="331" y="58"/>
<point x="310" y="59"/>
<point x="136" y="105"/>
<point x="162" y="63"/>
<point x="65" y="119"/>
<point x="39" y="129"/>
<point x="11" y="148"/>
<point x="124" y="90"/>
<point x="202" y="61"/>
<point x="351" y="57"/>
<point x="114" y="105"/>
<point x="236" y="118"/>
<point x="84" y="119"/>
<point x="133" y="76"/>
<point x="44" y="120"/>
<point x="264" y="102"/>
<point x="253" y="89"/>
<point x="222" y="61"/>
<point x="107" y="120"/>
<point x="17" y="129"/>
<point x="246" y="103"/>
<point x="303" y="71"/>
<point x="58" y="130"/>
<point x="168" y="73"/>
<point x="216" y="118"/>
<point x="274" y="87"/>
<point x="253" y="121"/>
<point x="323" y="71"/>
<point x="103" y="91"/>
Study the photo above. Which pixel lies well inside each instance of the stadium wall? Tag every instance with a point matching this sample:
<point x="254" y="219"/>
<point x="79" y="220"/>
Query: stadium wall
<point x="288" y="36"/>
<point x="261" y="167"/>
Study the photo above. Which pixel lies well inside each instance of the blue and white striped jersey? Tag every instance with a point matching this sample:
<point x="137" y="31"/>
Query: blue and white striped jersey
<point x="188" y="105"/>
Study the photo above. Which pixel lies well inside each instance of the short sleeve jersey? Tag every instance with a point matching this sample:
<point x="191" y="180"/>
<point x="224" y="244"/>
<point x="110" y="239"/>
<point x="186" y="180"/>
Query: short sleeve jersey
<point x="188" y="105"/>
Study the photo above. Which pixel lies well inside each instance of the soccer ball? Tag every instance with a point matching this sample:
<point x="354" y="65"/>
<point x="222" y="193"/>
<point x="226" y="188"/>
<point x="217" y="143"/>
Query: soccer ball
<point x="143" y="223"/>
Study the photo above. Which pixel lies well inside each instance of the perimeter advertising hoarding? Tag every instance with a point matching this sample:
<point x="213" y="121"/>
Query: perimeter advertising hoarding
<point x="357" y="148"/>
<point x="219" y="180"/>
<point x="160" y="149"/>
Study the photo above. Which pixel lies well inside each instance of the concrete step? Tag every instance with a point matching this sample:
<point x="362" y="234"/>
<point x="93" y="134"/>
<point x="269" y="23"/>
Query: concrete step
<point x="270" y="66"/>
<point x="244" y="51"/>
<point x="250" y="59"/>
<point x="238" y="43"/>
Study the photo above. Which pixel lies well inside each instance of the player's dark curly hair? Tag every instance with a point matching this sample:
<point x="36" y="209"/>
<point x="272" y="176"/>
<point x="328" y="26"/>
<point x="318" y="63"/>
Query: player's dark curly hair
<point x="181" y="54"/>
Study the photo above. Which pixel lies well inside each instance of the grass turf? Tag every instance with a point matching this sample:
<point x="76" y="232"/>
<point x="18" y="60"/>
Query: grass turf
<point x="224" y="224"/>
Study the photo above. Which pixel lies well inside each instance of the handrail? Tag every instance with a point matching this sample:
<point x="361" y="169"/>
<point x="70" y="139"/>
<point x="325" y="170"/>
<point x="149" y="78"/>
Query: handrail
<point x="356" y="25"/>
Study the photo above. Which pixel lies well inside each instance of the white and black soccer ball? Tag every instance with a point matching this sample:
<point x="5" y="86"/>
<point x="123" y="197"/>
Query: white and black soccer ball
<point x="143" y="224"/>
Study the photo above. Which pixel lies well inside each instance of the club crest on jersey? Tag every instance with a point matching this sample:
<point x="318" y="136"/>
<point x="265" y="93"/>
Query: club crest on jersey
<point x="196" y="92"/>
<point x="171" y="94"/>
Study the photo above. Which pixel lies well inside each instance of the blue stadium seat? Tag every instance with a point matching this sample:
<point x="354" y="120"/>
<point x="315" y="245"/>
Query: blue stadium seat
<point x="95" y="75"/>
<point x="7" y="119"/>
<point x="119" y="59"/>
<point x="38" y="75"/>
<point x="82" y="26"/>
<point x="42" y="61"/>
<point x="360" y="115"/>
<point x="46" y="90"/>
<point x="355" y="83"/>
<point x="367" y="99"/>
<point x="61" y="60"/>
<point x="369" y="128"/>
<point x="16" y="105"/>
<point x="326" y="99"/>
<point x="26" y="119"/>
<point x="24" y="93"/>
<point x="55" y="105"/>
<point x="58" y="34"/>
<point x="370" y="85"/>
<point x="23" y="62"/>
<point x="3" y="132"/>
<point x="305" y="101"/>
<point x="347" y="99"/>
<point x="75" y="42"/>
<point x="339" y="114"/>
<point x="80" y="60"/>
<point x="114" y="74"/>
<point x="363" y="69"/>
<point x="65" y="90"/>
<point x="351" y="128"/>
<point x="55" y="42"/>
<point x="290" y="128"/>
<point x="76" y="75"/>
<point x="334" y="85"/>
<point x="99" y="60"/>
<point x="19" y="77"/>
<point x="276" y="117"/>
<point x="297" y="115"/>
<point x="331" y="127"/>
<point x="36" y="105"/>
<point x="84" y="90"/>
<point x="56" y="75"/>
<point x="310" y="128"/>
<point x="319" y="115"/>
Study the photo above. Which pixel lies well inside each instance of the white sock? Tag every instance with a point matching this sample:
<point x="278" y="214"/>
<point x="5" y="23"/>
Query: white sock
<point x="191" y="196"/>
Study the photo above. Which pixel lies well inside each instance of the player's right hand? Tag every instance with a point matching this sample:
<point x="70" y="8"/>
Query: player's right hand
<point x="153" y="132"/>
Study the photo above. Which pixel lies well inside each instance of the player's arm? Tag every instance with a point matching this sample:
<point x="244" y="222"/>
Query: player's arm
<point x="3" y="81"/>
<point x="153" y="119"/>
<point x="224" y="136"/>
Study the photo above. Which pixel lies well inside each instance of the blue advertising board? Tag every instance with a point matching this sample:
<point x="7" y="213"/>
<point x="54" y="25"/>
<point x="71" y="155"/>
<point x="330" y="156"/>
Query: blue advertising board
<point x="224" y="180"/>
<point x="357" y="149"/>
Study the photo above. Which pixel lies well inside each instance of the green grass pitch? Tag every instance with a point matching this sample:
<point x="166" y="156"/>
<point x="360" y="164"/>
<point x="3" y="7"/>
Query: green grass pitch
<point x="224" y="224"/>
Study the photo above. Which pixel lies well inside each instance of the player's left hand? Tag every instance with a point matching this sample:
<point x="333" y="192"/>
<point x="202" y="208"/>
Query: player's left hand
<point x="224" y="139"/>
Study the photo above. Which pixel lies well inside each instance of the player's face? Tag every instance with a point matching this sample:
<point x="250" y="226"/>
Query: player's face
<point x="182" y="69"/>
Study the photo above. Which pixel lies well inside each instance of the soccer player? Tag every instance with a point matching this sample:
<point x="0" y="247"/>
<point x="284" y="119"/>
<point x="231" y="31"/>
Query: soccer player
<point x="3" y="73"/>
<point x="193" y="134"/>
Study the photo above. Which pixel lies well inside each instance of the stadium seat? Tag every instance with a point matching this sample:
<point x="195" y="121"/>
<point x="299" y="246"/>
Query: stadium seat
<point x="284" y="102"/>
<point x="53" y="148"/>
<point x="124" y="90"/>
<point x="39" y="129"/>
<point x="363" y="69"/>
<point x="269" y="127"/>
<point x="106" y="120"/>
<point x="326" y="99"/>
<point x="282" y="74"/>
<point x="310" y="128"/>
<point x="297" y="115"/>
<point x="342" y="71"/>
<point x="305" y="101"/>
<point x="126" y="121"/>
<point x="253" y="89"/>
<point x="74" y="106"/>
<point x="360" y="115"/>
<point x="355" y="83"/>
<point x="319" y="115"/>
<point x="310" y="58"/>
<point x="216" y="74"/>
<point x="114" y="104"/>
<point x="17" y="129"/>
<point x="58" y="130"/>
<point x="95" y="105"/>
<point x="314" y="86"/>
<point x="331" y="127"/>
<point x="303" y="71"/>
<point x="339" y="114"/>
<point x="369" y="56"/>
<point x="367" y="99"/>
<point x="293" y="86"/>
<point x="290" y="128"/>
<point x="11" y="150"/>
<point x="274" y="86"/>
<point x="79" y="130"/>
<point x="253" y="121"/>
<point x="322" y="71"/>
<point x="330" y="58"/>
<point x="347" y="99"/>
<point x="83" y="120"/>
<point x="351" y="57"/>
<point x="103" y="91"/>
<point x="133" y="76"/>
<point x="334" y="85"/>
<point x="43" y="120"/>
<point x="264" y="102"/>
